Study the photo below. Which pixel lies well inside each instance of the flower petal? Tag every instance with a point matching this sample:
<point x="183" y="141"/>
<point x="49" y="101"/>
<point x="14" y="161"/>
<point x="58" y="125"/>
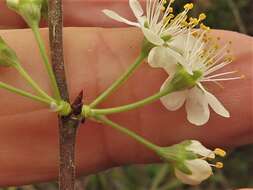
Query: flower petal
<point x="197" y="148"/>
<point x="174" y="100"/>
<point x="182" y="43"/>
<point x="197" y="107"/>
<point x="200" y="169"/>
<point x="216" y="105"/>
<point x="180" y="59"/>
<point x="115" y="16"/>
<point x="159" y="57"/>
<point x="136" y="8"/>
<point x="152" y="37"/>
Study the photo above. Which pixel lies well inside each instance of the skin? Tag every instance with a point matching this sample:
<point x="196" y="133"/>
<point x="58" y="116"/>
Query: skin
<point x="95" y="57"/>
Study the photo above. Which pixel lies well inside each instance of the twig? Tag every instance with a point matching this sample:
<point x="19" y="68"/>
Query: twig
<point x="67" y="125"/>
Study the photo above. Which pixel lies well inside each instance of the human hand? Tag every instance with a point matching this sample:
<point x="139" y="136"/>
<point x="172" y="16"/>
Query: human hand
<point x="94" y="58"/>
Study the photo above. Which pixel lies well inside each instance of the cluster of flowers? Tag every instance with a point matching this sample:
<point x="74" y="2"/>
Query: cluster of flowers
<point x="183" y="46"/>
<point x="177" y="46"/>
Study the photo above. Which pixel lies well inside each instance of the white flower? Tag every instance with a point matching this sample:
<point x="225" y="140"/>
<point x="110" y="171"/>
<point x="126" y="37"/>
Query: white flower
<point x="158" y="25"/>
<point x="200" y="168"/>
<point x="195" y="52"/>
<point x="197" y="148"/>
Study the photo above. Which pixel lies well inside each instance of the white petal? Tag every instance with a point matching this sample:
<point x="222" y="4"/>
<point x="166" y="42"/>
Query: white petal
<point x="181" y="60"/>
<point x="197" y="107"/>
<point x="136" y="8"/>
<point x="200" y="169"/>
<point x="174" y="100"/>
<point x="199" y="149"/>
<point x="152" y="37"/>
<point x="216" y="105"/>
<point x="159" y="57"/>
<point x="183" y="42"/>
<point x="115" y="16"/>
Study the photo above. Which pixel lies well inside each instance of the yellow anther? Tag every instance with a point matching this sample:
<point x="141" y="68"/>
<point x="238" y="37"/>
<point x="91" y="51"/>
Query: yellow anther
<point x="193" y="21"/>
<point x="204" y="27"/>
<point x="163" y="8"/>
<point x="168" y="19"/>
<point x="216" y="47"/>
<point x="220" y="152"/>
<point x="171" y="10"/>
<point x="188" y="6"/>
<point x="164" y="2"/>
<point x="219" y="165"/>
<point x="202" y="16"/>
<point x="184" y="23"/>
<point x="229" y="58"/>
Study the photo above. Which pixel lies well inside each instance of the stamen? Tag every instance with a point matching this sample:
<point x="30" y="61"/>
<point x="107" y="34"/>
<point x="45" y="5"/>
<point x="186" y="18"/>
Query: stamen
<point x="220" y="152"/>
<point x="225" y="79"/>
<point x="202" y="16"/>
<point x="221" y="74"/>
<point x="188" y="6"/>
<point x="219" y="165"/>
<point x="204" y="27"/>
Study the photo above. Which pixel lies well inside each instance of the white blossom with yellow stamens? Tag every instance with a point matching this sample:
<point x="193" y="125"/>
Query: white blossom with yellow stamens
<point x="159" y="24"/>
<point x="195" y="52"/>
<point x="200" y="169"/>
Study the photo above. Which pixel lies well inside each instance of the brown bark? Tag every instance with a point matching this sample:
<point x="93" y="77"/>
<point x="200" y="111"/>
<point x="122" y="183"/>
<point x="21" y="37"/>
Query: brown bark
<point x="67" y="125"/>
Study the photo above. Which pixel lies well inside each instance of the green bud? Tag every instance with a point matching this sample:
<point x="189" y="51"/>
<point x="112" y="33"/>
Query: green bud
<point x="177" y="155"/>
<point x="30" y="10"/>
<point x="183" y="80"/>
<point x="8" y="57"/>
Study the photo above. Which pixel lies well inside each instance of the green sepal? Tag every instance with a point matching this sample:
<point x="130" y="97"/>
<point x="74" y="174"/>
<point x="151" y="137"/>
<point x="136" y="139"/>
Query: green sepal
<point x="8" y="56"/>
<point x="183" y="80"/>
<point x="183" y="168"/>
<point x="177" y="154"/>
<point x="30" y="10"/>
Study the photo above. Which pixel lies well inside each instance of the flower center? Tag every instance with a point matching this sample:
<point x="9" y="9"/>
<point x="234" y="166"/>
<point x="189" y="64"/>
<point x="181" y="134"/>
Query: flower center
<point x="183" y="80"/>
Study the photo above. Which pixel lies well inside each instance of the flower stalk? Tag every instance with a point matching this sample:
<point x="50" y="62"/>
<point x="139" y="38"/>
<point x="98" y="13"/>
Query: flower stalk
<point x="24" y="93"/>
<point x="129" y="107"/>
<point x="32" y="83"/>
<point x="138" y="138"/>
<point x="46" y="61"/>
<point x="120" y="81"/>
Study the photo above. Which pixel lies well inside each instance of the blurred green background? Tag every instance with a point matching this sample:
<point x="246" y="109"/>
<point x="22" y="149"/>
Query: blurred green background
<point x="236" y="15"/>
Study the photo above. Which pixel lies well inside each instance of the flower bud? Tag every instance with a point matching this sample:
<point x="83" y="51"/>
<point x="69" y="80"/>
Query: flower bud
<point x="8" y="57"/>
<point x="30" y="10"/>
<point x="189" y="160"/>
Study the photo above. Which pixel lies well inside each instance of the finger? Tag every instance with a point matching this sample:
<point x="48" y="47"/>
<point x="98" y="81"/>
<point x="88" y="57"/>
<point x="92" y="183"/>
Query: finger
<point x="94" y="59"/>
<point x="76" y="13"/>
